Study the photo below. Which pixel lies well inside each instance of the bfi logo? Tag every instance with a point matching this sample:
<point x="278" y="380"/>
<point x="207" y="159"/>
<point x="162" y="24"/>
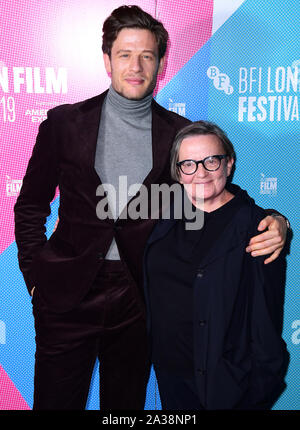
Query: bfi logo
<point x="221" y="81"/>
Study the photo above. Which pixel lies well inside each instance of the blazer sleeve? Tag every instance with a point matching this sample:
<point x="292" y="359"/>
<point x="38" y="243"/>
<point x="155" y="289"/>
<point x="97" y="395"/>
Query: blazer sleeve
<point x="269" y="354"/>
<point x="33" y="204"/>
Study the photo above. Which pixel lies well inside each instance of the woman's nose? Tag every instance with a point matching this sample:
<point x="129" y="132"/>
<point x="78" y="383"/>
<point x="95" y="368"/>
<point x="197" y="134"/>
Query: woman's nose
<point x="201" y="171"/>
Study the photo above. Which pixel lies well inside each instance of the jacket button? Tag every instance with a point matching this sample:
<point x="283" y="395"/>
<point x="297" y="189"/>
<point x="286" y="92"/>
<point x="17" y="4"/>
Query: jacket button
<point x="202" y="323"/>
<point x="117" y="227"/>
<point x="100" y="255"/>
<point x="201" y="372"/>
<point x="200" y="274"/>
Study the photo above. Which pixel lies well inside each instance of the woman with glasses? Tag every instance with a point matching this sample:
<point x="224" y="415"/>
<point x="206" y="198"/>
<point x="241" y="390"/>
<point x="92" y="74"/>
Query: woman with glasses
<point x="215" y="312"/>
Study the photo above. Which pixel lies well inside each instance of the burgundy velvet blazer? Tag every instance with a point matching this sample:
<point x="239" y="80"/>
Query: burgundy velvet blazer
<point x="63" y="268"/>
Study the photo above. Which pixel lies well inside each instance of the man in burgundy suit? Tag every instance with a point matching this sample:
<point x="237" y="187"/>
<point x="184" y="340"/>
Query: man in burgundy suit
<point x="86" y="280"/>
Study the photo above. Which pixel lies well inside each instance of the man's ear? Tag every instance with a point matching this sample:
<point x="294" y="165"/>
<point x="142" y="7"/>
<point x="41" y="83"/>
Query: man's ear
<point x="161" y="65"/>
<point x="107" y="63"/>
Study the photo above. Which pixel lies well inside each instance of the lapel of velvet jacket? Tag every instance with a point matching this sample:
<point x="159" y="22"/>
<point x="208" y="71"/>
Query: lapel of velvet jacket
<point x="162" y="138"/>
<point x="88" y="122"/>
<point x="88" y="126"/>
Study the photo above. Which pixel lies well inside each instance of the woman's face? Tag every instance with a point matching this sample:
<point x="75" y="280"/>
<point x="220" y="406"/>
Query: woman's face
<point x="213" y="182"/>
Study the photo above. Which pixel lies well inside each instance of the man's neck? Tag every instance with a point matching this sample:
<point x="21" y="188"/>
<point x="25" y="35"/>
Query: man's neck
<point x="126" y="106"/>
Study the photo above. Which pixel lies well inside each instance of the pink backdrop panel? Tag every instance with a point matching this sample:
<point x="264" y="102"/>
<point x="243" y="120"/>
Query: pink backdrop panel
<point x="189" y="24"/>
<point x="10" y="397"/>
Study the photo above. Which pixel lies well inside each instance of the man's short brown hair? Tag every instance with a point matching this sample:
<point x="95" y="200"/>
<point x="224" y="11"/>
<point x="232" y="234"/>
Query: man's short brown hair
<point x="132" y="17"/>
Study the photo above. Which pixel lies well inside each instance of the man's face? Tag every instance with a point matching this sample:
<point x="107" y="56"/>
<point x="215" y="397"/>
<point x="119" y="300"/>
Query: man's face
<point x="133" y="63"/>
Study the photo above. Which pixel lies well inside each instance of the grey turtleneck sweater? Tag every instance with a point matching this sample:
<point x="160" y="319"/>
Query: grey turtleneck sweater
<point x="124" y="148"/>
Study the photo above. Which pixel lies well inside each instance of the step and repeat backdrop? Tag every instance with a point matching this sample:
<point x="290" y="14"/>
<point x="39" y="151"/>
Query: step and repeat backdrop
<point x="236" y="63"/>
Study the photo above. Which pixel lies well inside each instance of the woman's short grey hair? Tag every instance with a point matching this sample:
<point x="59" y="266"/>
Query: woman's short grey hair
<point x="199" y="128"/>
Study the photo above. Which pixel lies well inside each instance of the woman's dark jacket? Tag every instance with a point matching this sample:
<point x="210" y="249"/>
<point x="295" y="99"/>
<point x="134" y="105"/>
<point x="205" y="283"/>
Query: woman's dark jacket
<point x="239" y="355"/>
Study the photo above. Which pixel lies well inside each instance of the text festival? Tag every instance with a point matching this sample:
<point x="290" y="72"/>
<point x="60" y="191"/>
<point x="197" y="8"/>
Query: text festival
<point x="268" y="94"/>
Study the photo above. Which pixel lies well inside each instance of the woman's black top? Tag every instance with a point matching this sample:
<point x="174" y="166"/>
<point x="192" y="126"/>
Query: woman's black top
<point x="171" y="292"/>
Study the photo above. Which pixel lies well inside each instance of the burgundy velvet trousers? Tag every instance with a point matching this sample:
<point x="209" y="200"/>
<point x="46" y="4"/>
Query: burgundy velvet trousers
<point x="108" y="325"/>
